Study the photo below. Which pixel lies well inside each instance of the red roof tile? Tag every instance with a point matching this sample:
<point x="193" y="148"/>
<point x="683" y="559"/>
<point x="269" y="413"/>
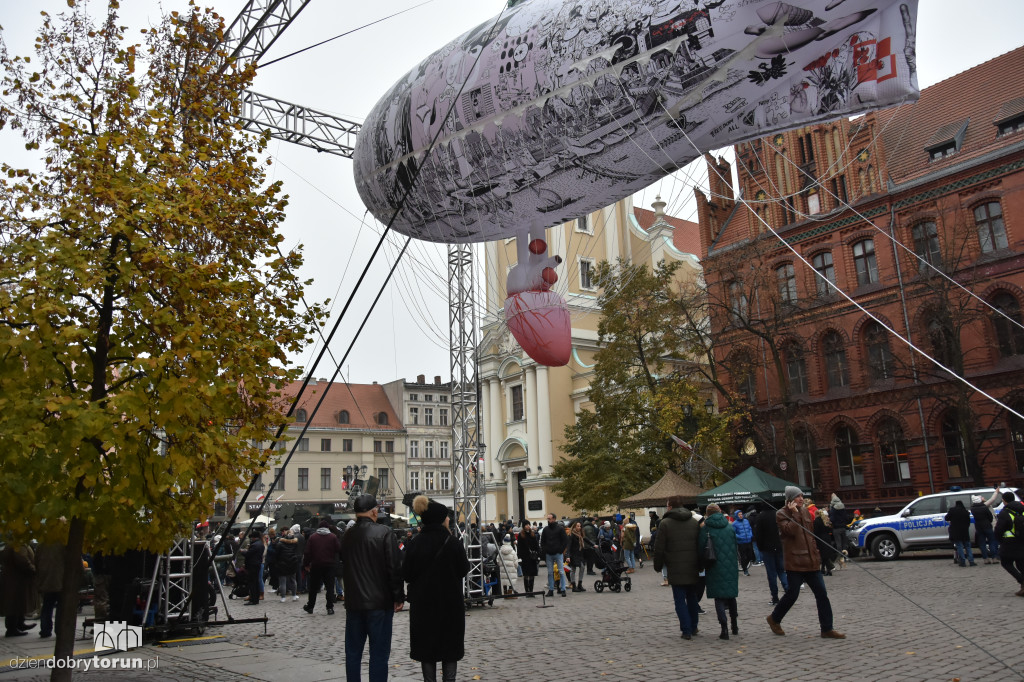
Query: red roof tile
<point x="362" y="401"/>
<point x="982" y="94"/>
<point x="685" y="236"/>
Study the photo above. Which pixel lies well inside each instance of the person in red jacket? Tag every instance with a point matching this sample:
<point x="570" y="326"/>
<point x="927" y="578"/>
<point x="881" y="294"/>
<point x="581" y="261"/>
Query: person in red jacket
<point x="803" y="564"/>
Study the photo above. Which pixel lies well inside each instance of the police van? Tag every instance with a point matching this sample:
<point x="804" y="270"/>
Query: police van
<point x="920" y="525"/>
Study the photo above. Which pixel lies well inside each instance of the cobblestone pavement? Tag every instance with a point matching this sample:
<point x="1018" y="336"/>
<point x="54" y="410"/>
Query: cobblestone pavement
<point x="919" y="618"/>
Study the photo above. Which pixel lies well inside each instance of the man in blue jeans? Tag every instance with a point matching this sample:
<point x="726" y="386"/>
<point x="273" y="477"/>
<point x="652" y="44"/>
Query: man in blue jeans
<point x="676" y="549"/>
<point x="374" y="591"/>
<point x="553" y="542"/>
<point x="803" y="564"/>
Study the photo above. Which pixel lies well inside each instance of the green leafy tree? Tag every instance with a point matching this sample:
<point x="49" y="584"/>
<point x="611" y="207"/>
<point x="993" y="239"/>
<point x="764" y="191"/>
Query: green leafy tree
<point x="645" y="388"/>
<point x="146" y="313"/>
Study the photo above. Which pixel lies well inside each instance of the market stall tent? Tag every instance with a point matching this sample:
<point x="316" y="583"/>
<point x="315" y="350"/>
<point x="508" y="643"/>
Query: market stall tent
<point x="749" y="487"/>
<point x="657" y="495"/>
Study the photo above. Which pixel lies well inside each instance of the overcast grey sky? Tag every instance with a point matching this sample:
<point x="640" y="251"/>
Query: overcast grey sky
<point x="407" y="334"/>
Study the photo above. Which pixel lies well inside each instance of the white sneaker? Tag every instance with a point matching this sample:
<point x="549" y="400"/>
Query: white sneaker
<point x="283" y="600"/>
<point x="295" y="598"/>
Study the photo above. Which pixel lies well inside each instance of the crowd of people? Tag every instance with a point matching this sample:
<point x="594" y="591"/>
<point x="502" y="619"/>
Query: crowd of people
<point x="374" y="571"/>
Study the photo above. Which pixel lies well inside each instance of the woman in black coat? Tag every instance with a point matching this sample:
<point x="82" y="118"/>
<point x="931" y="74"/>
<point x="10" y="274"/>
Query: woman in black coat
<point x="529" y="553"/>
<point x="435" y="564"/>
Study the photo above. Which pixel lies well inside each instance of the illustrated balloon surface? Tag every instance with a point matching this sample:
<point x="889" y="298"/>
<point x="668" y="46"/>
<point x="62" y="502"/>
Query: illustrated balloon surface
<point x="558" y="107"/>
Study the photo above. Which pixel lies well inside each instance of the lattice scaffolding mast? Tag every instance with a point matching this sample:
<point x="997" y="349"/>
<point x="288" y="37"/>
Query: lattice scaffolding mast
<point x="248" y="38"/>
<point x="466" y="464"/>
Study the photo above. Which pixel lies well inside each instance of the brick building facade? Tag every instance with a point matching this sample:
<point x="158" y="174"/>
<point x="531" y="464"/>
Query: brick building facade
<point x="838" y="401"/>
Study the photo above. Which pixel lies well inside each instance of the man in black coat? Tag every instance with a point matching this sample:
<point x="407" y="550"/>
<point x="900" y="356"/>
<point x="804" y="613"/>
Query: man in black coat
<point x="553" y="543"/>
<point x="253" y="561"/>
<point x="959" y="520"/>
<point x="1010" y="531"/>
<point x="374" y="590"/>
<point x="766" y="535"/>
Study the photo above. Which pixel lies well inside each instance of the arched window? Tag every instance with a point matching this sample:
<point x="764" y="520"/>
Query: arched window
<point x="926" y="246"/>
<point x="1009" y="334"/>
<point x="796" y="368"/>
<point x="738" y="303"/>
<point x="988" y="218"/>
<point x="822" y="263"/>
<point x="848" y="457"/>
<point x="807" y="472"/>
<point x="343" y="417"/>
<point x="876" y="343"/>
<point x="741" y="367"/>
<point x="382" y="418"/>
<point x="300" y="416"/>
<point x="941" y="338"/>
<point x="1017" y="436"/>
<point x="864" y="262"/>
<point x="953" y="442"/>
<point x="787" y="283"/>
<point x="893" y="449"/>
<point x="835" y="360"/>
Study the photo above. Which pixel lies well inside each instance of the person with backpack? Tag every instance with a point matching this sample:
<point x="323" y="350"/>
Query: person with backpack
<point x="1010" y="531"/>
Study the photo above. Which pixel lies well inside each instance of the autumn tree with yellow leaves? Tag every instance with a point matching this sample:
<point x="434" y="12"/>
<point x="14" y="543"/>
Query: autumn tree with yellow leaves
<point x="146" y="312"/>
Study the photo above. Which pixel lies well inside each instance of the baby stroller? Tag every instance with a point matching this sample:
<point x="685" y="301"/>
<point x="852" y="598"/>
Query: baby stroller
<point x="612" y="570"/>
<point x="240" y="590"/>
<point x="492" y="580"/>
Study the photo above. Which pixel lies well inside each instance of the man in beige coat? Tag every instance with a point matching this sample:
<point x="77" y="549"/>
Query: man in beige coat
<point x="803" y="564"/>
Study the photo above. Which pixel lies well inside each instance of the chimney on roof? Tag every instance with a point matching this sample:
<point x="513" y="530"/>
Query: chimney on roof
<point x="437" y="380"/>
<point x="421" y="379"/>
<point x="322" y="380"/>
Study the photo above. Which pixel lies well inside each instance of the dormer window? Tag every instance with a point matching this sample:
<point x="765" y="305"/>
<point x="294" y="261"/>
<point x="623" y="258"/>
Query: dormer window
<point x="948" y="149"/>
<point x="947" y="140"/>
<point x="1011" y="117"/>
<point x="1011" y="125"/>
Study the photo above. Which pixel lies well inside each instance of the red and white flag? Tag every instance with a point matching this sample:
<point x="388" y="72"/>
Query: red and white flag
<point x="682" y="443"/>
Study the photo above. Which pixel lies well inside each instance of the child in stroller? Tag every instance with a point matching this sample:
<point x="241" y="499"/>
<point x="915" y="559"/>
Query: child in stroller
<point x="612" y="570"/>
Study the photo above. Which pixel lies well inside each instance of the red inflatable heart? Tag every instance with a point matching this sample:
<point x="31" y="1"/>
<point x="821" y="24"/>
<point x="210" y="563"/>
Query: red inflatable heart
<point x="539" y="321"/>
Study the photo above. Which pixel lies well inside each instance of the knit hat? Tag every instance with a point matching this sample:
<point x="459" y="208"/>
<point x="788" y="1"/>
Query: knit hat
<point x="976" y="499"/>
<point x="607" y="524"/>
<point x="430" y="511"/>
<point x="507" y="539"/>
<point x="325" y="523"/>
<point x="295" y="529"/>
<point x="837" y="503"/>
<point x="792" y="492"/>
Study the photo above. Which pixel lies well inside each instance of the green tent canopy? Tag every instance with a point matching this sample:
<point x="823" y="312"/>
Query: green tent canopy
<point x="749" y="487"/>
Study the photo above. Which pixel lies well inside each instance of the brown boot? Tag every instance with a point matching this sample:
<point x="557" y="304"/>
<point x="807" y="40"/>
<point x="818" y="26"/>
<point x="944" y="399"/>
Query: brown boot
<point x="832" y="634"/>
<point x="1020" y="592"/>
<point x="776" y="628"/>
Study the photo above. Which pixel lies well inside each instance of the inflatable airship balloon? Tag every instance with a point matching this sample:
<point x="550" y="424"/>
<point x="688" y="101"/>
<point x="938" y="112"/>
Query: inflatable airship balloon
<point x="557" y="108"/>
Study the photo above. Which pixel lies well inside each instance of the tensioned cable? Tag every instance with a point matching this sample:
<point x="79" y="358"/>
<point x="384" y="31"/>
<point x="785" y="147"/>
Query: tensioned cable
<point x="342" y="35"/>
<point x="423" y="263"/>
<point x="334" y="329"/>
<point x="864" y="310"/>
<point x="897" y="242"/>
<point x="362" y="276"/>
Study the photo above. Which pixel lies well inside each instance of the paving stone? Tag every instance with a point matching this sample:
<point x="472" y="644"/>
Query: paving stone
<point x="919" y="618"/>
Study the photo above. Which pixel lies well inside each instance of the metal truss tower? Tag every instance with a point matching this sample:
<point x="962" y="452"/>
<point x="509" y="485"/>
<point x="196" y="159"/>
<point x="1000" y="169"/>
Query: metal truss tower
<point x="466" y="462"/>
<point x="248" y="38"/>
